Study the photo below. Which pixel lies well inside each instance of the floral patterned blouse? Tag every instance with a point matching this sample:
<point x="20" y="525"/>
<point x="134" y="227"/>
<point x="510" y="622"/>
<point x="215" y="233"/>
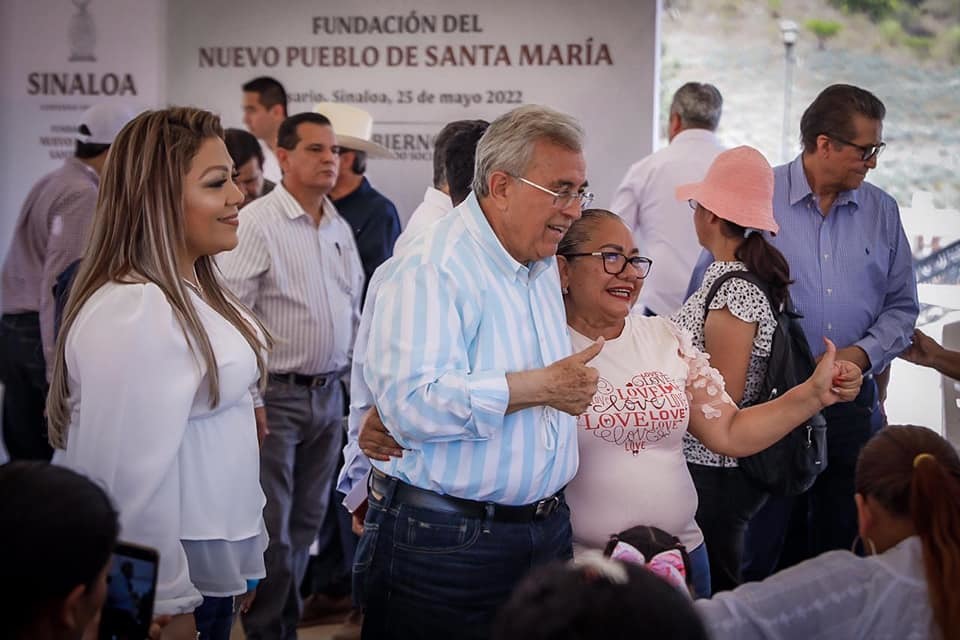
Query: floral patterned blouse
<point x="748" y="303"/>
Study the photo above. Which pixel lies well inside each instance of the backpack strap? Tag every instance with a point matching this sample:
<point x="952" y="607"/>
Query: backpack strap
<point x="743" y="275"/>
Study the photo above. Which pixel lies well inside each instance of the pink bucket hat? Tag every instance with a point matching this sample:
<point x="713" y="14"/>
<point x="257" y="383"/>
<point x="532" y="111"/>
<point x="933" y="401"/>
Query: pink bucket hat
<point x="738" y="187"/>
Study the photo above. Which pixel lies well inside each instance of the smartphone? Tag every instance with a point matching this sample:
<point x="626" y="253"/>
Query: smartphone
<point x="131" y="586"/>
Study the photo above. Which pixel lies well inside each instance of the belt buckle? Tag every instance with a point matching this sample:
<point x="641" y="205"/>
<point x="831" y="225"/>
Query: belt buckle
<point x="546" y="506"/>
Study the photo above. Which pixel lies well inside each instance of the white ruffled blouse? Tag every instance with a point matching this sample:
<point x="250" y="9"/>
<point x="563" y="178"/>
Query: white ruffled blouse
<point x="184" y="476"/>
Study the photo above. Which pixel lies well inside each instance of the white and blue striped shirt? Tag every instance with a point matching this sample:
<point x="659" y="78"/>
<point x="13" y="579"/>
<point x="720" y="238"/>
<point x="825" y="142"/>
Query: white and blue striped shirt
<point x="454" y="315"/>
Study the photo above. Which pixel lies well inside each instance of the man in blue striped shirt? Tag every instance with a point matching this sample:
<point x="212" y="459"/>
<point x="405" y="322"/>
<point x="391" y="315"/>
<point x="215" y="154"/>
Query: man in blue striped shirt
<point x="469" y="363"/>
<point x="854" y="283"/>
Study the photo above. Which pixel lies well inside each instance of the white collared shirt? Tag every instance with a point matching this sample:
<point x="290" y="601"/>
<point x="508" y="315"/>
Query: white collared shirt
<point x="304" y="281"/>
<point x="271" y="168"/>
<point x="662" y="225"/>
<point x="435" y="205"/>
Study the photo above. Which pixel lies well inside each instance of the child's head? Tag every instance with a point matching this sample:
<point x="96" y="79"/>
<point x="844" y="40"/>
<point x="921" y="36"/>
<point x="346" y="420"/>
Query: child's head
<point x="658" y="550"/>
<point x="595" y="597"/>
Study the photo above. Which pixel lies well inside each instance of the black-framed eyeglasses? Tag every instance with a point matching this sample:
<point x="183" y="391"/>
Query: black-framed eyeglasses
<point x="867" y="151"/>
<point x="614" y="263"/>
<point x="563" y="199"/>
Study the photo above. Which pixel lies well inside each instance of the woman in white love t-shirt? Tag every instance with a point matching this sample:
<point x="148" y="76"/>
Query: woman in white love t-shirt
<point x="654" y="386"/>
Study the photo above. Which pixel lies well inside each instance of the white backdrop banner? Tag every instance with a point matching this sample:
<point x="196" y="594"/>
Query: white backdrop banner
<point x="417" y="65"/>
<point x="56" y="59"/>
<point x="414" y="65"/>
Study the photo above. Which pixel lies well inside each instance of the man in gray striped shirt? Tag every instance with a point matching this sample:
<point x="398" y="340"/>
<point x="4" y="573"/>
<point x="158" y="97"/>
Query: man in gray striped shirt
<point x="297" y="266"/>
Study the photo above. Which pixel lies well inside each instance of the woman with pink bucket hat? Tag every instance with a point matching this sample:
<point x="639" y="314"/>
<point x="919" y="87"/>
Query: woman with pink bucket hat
<point x="732" y="208"/>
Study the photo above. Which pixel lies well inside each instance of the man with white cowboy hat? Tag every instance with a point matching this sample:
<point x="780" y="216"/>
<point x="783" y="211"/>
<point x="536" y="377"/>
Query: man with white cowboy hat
<point x="372" y="216"/>
<point x="49" y="236"/>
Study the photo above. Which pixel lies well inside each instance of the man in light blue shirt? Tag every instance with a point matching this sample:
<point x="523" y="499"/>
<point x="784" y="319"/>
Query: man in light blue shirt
<point x="468" y="361"/>
<point x="854" y="283"/>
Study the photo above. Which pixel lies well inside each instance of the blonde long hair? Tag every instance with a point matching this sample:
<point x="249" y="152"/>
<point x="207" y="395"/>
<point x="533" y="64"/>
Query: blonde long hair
<point x="137" y="235"/>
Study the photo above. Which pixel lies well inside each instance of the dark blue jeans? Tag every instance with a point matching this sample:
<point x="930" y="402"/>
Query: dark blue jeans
<point x="214" y="618"/>
<point x="700" y="571"/>
<point x="24" y="378"/>
<point x="726" y="503"/>
<point x="427" y="574"/>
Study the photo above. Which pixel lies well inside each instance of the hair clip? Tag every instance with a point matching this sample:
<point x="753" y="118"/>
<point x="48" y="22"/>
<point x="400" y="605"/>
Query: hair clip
<point x="594" y="564"/>
<point x="921" y="456"/>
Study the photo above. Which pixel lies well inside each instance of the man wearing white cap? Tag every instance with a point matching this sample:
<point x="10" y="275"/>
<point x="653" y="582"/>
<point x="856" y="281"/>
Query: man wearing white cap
<point x="372" y="216"/>
<point x="49" y="235"/>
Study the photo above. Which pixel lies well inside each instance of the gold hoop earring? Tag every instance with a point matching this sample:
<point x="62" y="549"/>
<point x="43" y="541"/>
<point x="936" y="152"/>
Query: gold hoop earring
<point x="869" y="548"/>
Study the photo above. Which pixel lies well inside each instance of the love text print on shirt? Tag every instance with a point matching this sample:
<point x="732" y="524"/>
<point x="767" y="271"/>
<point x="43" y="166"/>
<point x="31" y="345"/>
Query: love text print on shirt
<point x="647" y="409"/>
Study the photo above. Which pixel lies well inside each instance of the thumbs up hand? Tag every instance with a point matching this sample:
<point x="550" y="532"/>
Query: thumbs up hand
<point x="572" y="381"/>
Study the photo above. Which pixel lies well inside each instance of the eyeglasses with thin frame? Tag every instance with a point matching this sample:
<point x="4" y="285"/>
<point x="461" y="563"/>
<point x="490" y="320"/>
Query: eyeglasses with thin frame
<point x="614" y="263"/>
<point x="867" y="151"/>
<point x="562" y="200"/>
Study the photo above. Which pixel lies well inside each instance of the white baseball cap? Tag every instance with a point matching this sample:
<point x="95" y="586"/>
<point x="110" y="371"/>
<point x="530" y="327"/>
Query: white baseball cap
<point x="104" y="121"/>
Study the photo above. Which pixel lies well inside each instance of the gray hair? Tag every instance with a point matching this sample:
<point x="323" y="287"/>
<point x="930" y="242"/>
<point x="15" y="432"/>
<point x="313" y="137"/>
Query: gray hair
<point x="699" y="106"/>
<point x="508" y="143"/>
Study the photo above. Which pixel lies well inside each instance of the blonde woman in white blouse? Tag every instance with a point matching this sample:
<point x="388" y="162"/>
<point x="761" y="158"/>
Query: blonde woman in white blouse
<point x="155" y="361"/>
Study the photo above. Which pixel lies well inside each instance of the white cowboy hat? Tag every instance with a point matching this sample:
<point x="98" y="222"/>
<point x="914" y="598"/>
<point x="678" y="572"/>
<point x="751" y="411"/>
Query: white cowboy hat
<point x="353" y="127"/>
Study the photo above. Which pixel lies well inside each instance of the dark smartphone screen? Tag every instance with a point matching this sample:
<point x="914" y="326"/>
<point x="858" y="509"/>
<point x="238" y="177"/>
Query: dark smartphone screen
<point x="131" y="586"/>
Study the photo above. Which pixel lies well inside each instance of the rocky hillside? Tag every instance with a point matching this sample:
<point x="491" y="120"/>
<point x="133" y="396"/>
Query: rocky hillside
<point x="738" y="47"/>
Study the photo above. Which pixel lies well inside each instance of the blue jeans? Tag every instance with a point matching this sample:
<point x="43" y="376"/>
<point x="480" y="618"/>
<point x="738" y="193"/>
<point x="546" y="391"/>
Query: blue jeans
<point x="727" y="502"/>
<point x="214" y="618"/>
<point x="420" y="573"/>
<point x="700" y="568"/>
<point x="23" y="374"/>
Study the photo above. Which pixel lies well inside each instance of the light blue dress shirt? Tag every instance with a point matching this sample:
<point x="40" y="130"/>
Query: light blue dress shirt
<point x="448" y="318"/>
<point x="852" y="269"/>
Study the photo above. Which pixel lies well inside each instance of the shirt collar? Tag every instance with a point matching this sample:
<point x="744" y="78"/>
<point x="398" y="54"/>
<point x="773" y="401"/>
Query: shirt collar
<point x="292" y="209"/>
<point x="84" y="168"/>
<point x="479" y="227"/>
<point x="800" y="187"/>
<point x="694" y="134"/>
<point x="360" y="194"/>
<point x="717" y="269"/>
<point x="361" y="190"/>
<point x="436" y="197"/>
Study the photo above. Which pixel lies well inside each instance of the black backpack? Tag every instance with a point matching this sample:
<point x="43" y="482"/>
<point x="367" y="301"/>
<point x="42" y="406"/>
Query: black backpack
<point x="789" y="466"/>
